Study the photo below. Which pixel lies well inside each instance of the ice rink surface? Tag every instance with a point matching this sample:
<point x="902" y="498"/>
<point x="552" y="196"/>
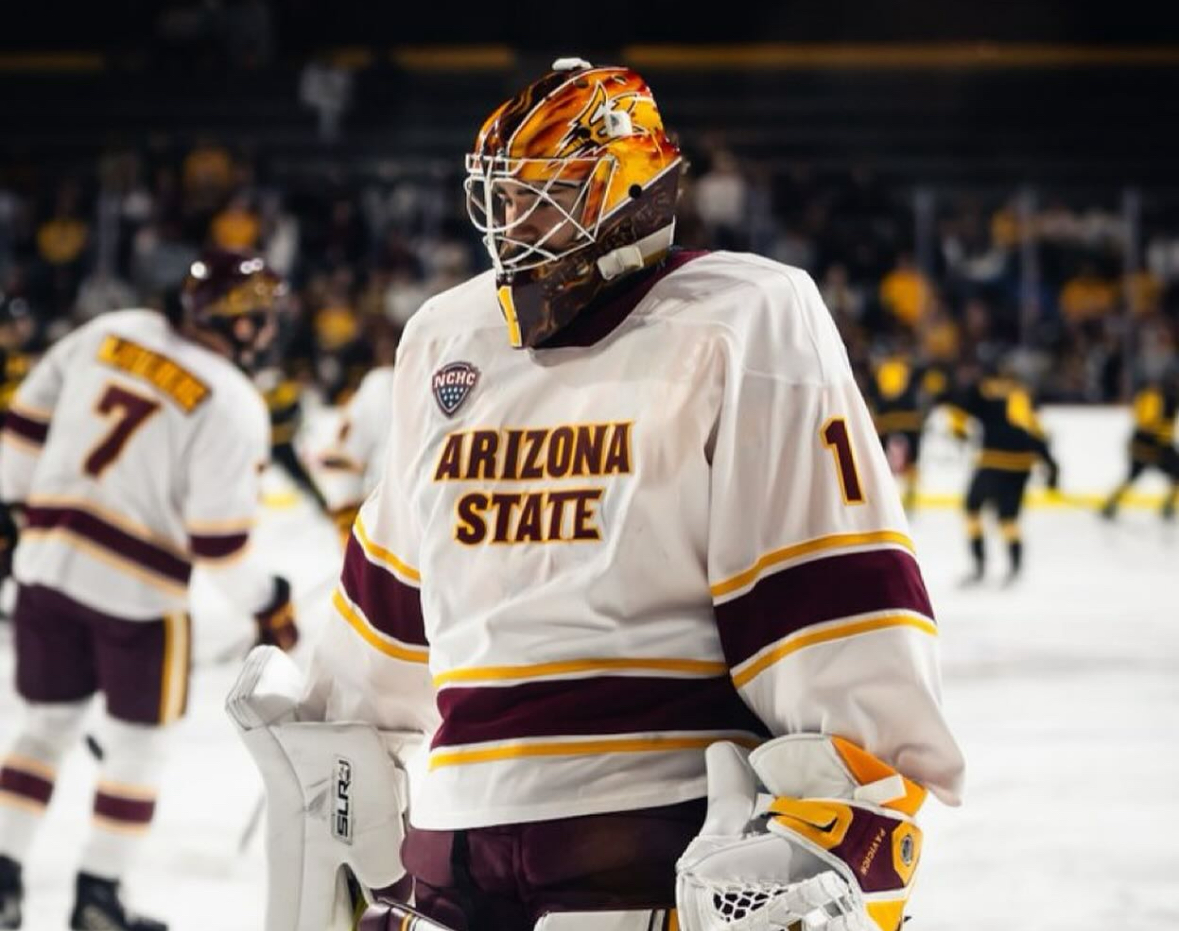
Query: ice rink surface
<point x="1063" y="690"/>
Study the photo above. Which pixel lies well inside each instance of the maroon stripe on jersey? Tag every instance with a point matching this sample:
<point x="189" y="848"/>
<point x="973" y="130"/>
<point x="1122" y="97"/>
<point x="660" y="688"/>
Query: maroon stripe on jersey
<point x="391" y="606"/>
<point x="109" y="537"/>
<point x="217" y="546"/>
<point x="592" y="707"/>
<point x="821" y="590"/>
<point x="27" y="428"/>
<point x="28" y="785"/>
<point x="129" y="811"/>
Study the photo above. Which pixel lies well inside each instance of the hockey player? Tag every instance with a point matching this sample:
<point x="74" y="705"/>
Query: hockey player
<point x="353" y="465"/>
<point x="898" y="396"/>
<point x="17" y="331"/>
<point x="1012" y="443"/>
<point x="633" y="508"/>
<point x="282" y="395"/>
<point x="133" y="449"/>
<point x="1152" y="445"/>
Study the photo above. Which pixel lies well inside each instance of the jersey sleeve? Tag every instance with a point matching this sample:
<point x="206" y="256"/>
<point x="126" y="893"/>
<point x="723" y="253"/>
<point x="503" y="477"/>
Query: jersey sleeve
<point x="822" y="611"/>
<point x="26" y="425"/>
<point x="222" y="494"/>
<point x="372" y="659"/>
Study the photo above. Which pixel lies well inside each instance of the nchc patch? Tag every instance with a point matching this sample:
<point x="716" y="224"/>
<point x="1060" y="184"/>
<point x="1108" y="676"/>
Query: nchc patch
<point x="452" y="384"/>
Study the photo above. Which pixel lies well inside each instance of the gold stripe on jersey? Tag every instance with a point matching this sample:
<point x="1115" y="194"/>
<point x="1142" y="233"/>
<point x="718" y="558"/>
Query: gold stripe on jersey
<point x="26" y="764"/>
<point x="1005" y="461"/>
<point x="174" y="681"/>
<point x="13" y="800"/>
<point x="838" y="630"/>
<point x="41" y="414"/>
<point x="213" y="528"/>
<point x="21" y="442"/>
<point x="808" y="547"/>
<point x="120" y="827"/>
<point x="170" y="377"/>
<point x="690" y="667"/>
<point x="518" y="750"/>
<point x="70" y="537"/>
<point x="123" y="790"/>
<point x="373" y="637"/>
<point x="376" y="552"/>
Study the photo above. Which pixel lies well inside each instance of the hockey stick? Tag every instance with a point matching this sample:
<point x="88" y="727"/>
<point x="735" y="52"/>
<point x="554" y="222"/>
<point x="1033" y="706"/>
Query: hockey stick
<point x="383" y="915"/>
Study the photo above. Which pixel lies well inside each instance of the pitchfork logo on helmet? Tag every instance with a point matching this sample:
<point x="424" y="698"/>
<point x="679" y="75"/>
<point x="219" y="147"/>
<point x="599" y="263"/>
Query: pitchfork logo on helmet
<point x="573" y="184"/>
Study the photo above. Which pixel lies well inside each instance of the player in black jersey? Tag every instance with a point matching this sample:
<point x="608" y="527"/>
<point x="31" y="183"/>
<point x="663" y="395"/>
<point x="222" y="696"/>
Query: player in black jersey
<point x="283" y="396"/>
<point x="1152" y="445"/>
<point x="1012" y="442"/>
<point x="900" y="393"/>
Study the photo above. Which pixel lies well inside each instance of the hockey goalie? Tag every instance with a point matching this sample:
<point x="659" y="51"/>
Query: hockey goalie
<point x="631" y="634"/>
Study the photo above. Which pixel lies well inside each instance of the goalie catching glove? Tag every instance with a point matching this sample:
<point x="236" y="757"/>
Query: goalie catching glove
<point x="834" y="848"/>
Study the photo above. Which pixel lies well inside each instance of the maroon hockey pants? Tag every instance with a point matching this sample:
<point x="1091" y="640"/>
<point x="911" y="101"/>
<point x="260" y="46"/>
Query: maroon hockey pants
<point x="505" y="878"/>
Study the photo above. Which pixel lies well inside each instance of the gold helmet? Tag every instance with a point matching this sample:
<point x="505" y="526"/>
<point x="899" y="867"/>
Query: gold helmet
<point x="573" y="184"/>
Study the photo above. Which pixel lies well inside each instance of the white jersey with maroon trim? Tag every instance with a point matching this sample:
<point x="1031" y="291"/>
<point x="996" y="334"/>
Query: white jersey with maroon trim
<point x="135" y="452"/>
<point x="353" y="465"/>
<point x="585" y="564"/>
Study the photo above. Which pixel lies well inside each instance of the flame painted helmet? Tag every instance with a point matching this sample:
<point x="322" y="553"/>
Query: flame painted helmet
<point x="236" y="296"/>
<point x="572" y="184"/>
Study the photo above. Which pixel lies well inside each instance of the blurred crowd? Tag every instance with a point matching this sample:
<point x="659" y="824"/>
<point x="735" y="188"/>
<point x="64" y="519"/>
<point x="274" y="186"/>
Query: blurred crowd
<point x="1082" y="293"/>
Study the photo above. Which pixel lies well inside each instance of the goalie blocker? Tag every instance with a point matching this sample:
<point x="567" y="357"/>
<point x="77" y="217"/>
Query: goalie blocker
<point x="336" y="797"/>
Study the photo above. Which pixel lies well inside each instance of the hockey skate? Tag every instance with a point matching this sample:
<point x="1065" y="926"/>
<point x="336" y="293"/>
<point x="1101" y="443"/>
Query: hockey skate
<point x="98" y="907"/>
<point x="11" y="893"/>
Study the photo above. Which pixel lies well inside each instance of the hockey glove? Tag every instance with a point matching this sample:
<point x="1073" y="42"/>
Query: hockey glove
<point x="834" y="849"/>
<point x="276" y="622"/>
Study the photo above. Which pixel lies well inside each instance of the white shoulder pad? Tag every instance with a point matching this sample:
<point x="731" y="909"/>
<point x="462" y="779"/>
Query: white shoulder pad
<point x="335" y="796"/>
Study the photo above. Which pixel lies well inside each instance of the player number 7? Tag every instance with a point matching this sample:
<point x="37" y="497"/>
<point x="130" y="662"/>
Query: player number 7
<point x="836" y="439"/>
<point x="131" y="411"/>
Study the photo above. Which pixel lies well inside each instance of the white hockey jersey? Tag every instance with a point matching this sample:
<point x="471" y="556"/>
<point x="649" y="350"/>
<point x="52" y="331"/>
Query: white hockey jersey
<point x="585" y="564"/>
<point x="353" y="465"/>
<point x="135" y="452"/>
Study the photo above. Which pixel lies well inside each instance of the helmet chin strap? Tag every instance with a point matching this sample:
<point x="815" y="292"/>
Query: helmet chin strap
<point x="631" y="258"/>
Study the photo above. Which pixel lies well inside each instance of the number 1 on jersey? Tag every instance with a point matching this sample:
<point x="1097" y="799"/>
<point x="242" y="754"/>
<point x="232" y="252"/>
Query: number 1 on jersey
<point x="132" y="411"/>
<point x="835" y="438"/>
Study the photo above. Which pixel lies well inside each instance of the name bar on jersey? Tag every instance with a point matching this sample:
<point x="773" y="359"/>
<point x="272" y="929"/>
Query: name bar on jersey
<point x="172" y="379"/>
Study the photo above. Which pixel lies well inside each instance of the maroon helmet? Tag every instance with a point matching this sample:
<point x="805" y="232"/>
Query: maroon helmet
<point x="236" y="296"/>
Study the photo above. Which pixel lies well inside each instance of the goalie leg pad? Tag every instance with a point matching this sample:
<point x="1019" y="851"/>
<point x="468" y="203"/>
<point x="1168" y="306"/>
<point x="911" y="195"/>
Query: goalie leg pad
<point x="335" y="797"/>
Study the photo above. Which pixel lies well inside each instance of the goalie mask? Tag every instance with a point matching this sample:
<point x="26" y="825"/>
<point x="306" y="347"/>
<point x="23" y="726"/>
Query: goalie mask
<point x="234" y="297"/>
<point x="572" y="184"/>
